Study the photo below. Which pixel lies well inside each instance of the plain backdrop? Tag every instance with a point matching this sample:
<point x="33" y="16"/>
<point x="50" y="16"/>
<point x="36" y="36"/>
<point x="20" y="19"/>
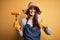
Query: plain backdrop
<point x="50" y="13"/>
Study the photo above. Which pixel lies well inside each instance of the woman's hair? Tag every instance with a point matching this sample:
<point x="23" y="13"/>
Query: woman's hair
<point x="35" y="17"/>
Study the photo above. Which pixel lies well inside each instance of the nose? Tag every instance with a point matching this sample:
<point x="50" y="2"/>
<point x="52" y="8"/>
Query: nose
<point x="32" y="10"/>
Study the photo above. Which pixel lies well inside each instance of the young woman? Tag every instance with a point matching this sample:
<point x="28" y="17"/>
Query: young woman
<point x="30" y="26"/>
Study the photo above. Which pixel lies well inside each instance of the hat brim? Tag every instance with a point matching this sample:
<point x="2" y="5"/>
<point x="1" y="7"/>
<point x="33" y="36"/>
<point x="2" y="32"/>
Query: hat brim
<point x="38" y="11"/>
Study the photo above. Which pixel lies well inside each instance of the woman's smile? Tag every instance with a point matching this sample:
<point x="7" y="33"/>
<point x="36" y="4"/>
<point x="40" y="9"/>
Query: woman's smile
<point x="32" y="11"/>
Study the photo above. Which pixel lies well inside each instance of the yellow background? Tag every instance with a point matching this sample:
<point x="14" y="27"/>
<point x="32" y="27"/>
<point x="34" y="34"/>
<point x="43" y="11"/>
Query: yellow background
<point x="50" y="13"/>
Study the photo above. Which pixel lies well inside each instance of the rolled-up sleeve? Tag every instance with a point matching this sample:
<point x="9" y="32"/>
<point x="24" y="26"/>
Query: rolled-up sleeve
<point x="22" y="23"/>
<point x="21" y="30"/>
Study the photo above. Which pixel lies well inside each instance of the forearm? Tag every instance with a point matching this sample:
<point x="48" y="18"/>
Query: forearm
<point x="45" y="28"/>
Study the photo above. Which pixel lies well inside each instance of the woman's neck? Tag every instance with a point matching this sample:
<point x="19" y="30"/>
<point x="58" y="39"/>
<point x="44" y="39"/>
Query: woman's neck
<point x="30" y="17"/>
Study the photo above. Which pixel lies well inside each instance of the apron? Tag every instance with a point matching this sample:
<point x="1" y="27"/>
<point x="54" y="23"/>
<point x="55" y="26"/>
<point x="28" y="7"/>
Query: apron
<point x="31" y="33"/>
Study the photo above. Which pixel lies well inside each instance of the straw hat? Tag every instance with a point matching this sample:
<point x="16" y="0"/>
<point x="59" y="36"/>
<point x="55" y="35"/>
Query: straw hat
<point x="32" y="4"/>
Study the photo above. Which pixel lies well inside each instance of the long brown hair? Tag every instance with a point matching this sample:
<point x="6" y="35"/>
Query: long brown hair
<point x="35" y="18"/>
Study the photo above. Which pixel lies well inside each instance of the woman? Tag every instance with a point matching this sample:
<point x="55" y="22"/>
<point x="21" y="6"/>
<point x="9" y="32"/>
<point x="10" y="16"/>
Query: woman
<point x="30" y="26"/>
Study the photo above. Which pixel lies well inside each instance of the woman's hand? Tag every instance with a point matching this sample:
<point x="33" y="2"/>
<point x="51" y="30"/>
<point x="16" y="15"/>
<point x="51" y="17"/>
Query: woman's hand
<point x="42" y="24"/>
<point x="16" y="25"/>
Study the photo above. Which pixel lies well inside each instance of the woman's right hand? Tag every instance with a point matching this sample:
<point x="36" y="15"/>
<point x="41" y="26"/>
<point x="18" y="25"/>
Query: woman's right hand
<point x="16" y="25"/>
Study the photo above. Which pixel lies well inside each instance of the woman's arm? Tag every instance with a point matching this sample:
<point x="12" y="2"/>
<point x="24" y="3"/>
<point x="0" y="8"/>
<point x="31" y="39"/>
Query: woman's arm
<point x="44" y="26"/>
<point x="22" y="23"/>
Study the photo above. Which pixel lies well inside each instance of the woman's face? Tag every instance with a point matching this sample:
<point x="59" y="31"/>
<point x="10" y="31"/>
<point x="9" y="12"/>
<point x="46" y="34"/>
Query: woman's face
<point x="32" y="11"/>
